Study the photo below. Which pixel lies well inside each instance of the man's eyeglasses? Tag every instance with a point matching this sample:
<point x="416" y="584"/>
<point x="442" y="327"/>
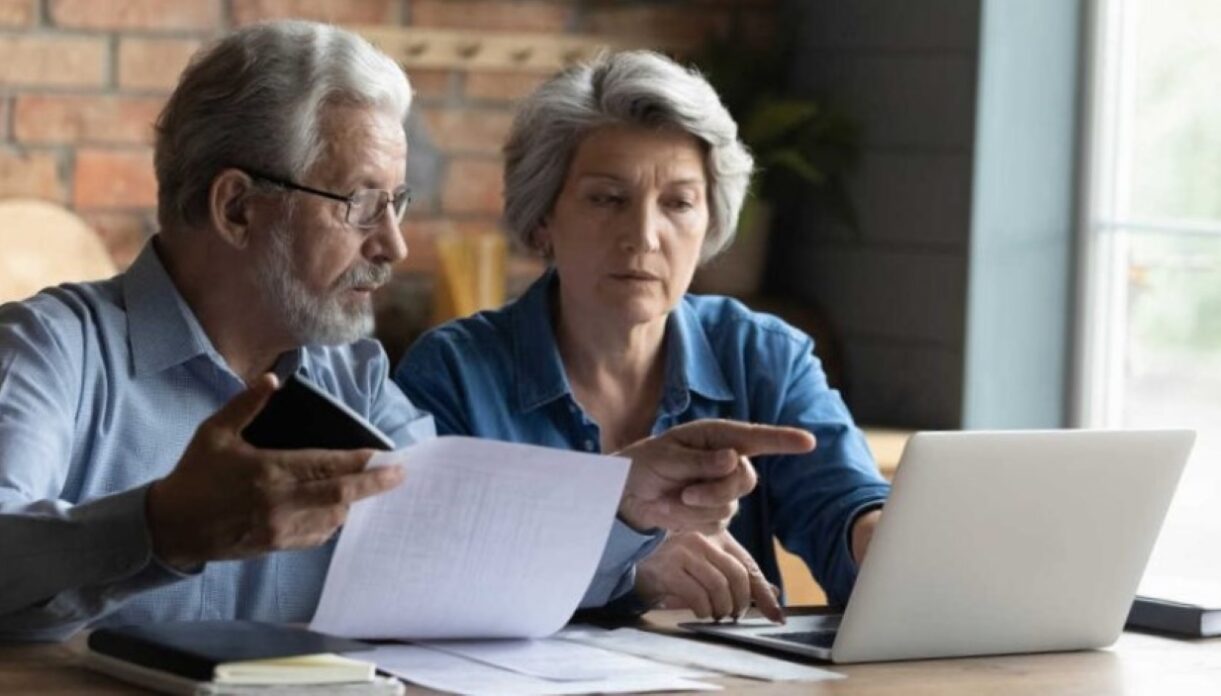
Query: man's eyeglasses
<point x="365" y="206"/>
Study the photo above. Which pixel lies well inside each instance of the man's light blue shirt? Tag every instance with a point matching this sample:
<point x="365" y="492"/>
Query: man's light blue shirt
<point x="499" y="375"/>
<point x="102" y="385"/>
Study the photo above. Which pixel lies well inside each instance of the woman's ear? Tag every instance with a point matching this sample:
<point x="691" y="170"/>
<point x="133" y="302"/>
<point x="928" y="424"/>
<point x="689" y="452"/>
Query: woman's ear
<point x="229" y="200"/>
<point x="541" y="239"/>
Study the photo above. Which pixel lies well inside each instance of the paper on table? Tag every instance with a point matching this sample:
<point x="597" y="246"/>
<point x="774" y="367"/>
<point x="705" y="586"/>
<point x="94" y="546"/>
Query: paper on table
<point x="483" y="539"/>
<point x="445" y="672"/>
<point x="684" y="651"/>
<point x="561" y="660"/>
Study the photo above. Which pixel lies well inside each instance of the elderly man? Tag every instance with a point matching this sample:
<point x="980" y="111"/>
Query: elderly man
<point x="127" y="493"/>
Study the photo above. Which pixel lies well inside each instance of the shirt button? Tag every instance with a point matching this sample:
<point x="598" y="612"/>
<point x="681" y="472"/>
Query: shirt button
<point x="589" y="445"/>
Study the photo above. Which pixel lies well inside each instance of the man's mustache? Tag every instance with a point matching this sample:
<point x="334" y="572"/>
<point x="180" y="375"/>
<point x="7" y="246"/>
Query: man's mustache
<point x="365" y="275"/>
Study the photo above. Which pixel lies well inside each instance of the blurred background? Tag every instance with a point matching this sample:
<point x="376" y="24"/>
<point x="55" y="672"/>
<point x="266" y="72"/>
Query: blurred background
<point x="988" y="213"/>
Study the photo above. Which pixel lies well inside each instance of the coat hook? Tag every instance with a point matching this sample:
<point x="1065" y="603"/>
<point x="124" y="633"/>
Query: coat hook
<point x="469" y="50"/>
<point x="417" y="48"/>
<point x="521" y="55"/>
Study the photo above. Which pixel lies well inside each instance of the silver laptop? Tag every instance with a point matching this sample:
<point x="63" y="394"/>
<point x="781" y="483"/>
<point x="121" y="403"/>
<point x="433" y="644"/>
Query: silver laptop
<point x="998" y="542"/>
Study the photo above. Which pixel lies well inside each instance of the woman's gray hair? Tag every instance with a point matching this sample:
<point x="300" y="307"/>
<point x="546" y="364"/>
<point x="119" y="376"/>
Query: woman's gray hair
<point x="253" y="99"/>
<point x="640" y="88"/>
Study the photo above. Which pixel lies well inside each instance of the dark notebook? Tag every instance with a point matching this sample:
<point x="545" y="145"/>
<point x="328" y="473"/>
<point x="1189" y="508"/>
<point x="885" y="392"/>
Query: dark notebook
<point x="1175" y="617"/>
<point x="302" y="416"/>
<point x="193" y="649"/>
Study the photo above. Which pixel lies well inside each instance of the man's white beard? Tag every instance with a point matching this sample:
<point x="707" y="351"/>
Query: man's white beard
<point x="317" y="318"/>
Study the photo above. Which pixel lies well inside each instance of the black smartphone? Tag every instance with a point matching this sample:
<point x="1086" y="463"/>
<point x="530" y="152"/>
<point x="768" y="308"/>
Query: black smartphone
<point x="302" y="416"/>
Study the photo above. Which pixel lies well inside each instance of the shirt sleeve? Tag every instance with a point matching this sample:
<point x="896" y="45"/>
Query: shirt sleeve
<point x="616" y="573"/>
<point x="815" y="497"/>
<point x="390" y="409"/>
<point x="61" y="565"/>
<point x="437" y="376"/>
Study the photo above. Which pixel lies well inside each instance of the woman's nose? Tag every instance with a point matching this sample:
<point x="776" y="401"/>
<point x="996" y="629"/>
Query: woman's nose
<point x="642" y="230"/>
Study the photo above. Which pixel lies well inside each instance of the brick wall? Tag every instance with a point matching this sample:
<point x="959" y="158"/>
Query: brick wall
<point x="81" y="82"/>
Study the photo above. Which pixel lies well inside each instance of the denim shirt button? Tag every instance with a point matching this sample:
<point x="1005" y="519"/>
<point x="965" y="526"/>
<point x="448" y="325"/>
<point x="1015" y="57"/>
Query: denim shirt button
<point x="589" y="445"/>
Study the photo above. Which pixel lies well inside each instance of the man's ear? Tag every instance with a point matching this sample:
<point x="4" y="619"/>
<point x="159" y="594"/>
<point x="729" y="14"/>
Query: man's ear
<point x="229" y="200"/>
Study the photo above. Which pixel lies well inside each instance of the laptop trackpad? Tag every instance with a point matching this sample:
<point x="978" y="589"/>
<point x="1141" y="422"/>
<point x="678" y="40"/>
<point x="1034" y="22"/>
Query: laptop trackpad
<point x="816" y="631"/>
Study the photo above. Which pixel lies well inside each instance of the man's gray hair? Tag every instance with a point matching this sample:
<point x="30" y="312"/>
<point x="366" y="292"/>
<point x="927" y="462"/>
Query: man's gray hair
<point x="639" y="88"/>
<point x="253" y="100"/>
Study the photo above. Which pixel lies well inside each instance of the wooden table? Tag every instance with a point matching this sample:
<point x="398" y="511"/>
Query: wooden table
<point x="1138" y="664"/>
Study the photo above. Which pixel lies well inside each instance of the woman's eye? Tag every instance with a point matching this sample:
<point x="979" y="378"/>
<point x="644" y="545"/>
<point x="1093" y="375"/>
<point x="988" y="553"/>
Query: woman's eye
<point x="606" y="199"/>
<point x="681" y="204"/>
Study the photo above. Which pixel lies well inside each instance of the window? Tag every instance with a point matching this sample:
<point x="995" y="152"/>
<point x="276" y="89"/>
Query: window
<point x="1151" y="340"/>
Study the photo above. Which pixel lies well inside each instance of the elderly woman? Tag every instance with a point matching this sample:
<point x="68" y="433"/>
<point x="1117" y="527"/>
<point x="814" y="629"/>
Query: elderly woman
<point x="626" y="174"/>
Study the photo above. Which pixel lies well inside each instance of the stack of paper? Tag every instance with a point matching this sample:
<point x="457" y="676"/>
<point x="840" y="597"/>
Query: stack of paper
<point x="546" y="667"/>
<point x="698" y="654"/>
<point x="492" y="540"/>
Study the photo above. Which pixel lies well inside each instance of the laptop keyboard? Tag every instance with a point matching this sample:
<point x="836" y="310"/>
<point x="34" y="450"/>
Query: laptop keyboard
<point x="817" y="639"/>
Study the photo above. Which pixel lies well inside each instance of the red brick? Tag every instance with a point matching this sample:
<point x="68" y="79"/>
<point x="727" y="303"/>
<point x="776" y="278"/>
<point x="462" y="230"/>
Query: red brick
<point x="201" y="15"/>
<point x="420" y="236"/>
<point x="52" y="61"/>
<point x="30" y="175"/>
<point x="114" y="179"/>
<point x="123" y="234"/>
<point x="430" y="84"/>
<point x="658" y="26"/>
<point x="333" y="11"/>
<point x="153" y="64"/>
<point x="501" y="86"/>
<point x="517" y="15"/>
<point x="468" y="130"/>
<point x="48" y="118"/>
<point x="473" y="186"/>
<point x="18" y="13"/>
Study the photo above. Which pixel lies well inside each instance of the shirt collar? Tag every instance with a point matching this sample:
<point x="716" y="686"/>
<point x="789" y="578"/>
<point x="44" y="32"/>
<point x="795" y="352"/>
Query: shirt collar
<point x="161" y="327"/>
<point x="539" y="372"/>
<point x="691" y="366"/>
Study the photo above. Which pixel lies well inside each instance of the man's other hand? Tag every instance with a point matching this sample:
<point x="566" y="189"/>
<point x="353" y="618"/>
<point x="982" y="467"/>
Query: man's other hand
<point x="227" y="499"/>
<point x="689" y="478"/>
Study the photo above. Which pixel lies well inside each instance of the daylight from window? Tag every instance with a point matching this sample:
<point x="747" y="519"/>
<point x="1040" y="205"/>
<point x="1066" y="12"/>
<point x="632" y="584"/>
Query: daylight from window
<point x="1152" y="351"/>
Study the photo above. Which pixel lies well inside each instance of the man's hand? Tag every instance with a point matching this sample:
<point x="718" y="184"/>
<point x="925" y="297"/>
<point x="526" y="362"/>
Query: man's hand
<point x="690" y="477"/>
<point x="227" y="499"/>
<point x="712" y="575"/>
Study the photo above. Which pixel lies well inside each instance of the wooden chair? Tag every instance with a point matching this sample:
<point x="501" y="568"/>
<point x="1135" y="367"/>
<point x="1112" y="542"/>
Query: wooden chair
<point x="42" y="244"/>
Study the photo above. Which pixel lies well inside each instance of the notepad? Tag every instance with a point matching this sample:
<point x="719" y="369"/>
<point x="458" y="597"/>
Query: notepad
<point x="326" y="668"/>
<point x="200" y="650"/>
<point x="1190" y="607"/>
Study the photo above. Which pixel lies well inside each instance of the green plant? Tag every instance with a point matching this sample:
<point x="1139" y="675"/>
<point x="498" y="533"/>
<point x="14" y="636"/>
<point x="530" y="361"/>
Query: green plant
<point x="801" y="147"/>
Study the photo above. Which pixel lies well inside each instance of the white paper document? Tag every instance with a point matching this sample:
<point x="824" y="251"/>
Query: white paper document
<point x="699" y="654"/>
<point x="447" y="672"/>
<point x="561" y="660"/>
<point x="483" y="539"/>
